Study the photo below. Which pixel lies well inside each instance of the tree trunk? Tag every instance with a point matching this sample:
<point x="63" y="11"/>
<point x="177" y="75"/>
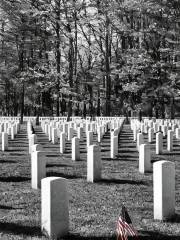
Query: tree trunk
<point x="107" y="67"/>
<point x="70" y="58"/>
<point x="22" y="103"/>
<point x="58" y="56"/>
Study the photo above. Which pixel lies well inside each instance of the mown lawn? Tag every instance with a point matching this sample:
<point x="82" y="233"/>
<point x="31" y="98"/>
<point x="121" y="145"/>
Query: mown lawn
<point x="94" y="208"/>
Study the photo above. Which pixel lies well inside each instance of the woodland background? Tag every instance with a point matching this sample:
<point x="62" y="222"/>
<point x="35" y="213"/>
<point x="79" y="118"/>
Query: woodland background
<point x="91" y="57"/>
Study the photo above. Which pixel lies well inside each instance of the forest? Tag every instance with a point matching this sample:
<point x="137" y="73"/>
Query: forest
<point x="89" y="57"/>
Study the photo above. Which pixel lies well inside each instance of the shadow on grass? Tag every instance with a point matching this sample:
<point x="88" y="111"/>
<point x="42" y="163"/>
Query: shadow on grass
<point x="79" y="237"/>
<point x="153" y="235"/>
<point x="16" y="150"/>
<point x="83" y="151"/>
<point x="171" y="153"/>
<point x="7" y="161"/>
<point x="108" y="159"/>
<point x="129" y="145"/>
<point x="14" y="179"/>
<point x="174" y="219"/>
<point x="14" y="228"/>
<point x="52" y="147"/>
<point x="133" y="156"/>
<point x="128" y="151"/>
<point x="43" y="143"/>
<point x="6" y="207"/>
<point x="104" y="150"/>
<point x="122" y="181"/>
<point x="17" y="154"/>
<point x="57" y="165"/>
<point x="43" y="140"/>
<point x="53" y="155"/>
<point x="56" y="174"/>
<point x="9" y="208"/>
<point x="119" y="158"/>
<point x="67" y="152"/>
<point x="23" y="143"/>
<point x="156" y="159"/>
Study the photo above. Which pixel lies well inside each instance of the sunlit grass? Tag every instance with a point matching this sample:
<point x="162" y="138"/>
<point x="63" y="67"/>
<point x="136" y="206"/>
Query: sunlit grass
<point x="93" y="208"/>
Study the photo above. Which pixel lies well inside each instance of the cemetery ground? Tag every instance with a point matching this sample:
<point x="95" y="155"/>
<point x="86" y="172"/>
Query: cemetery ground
<point x="93" y="207"/>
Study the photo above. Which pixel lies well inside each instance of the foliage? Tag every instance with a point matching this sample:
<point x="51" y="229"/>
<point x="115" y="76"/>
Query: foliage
<point x="82" y="51"/>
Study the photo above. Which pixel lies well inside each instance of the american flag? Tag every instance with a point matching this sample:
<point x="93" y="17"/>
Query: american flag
<point x="124" y="226"/>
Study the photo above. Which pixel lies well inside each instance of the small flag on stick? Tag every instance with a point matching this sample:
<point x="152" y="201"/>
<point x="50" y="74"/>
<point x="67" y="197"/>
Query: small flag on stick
<point x="124" y="226"/>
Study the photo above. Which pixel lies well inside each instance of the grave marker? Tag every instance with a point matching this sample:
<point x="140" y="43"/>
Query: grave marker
<point x="54" y="207"/>
<point x="170" y="140"/>
<point x="62" y="142"/>
<point x="75" y="149"/>
<point x="38" y="169"/>
<point x="93" y="163"/>
<point x="114" y="146"/>
<point x="144" y="158"/>
<point x="150" y="135"/>
<point x="140" y="140"/>
<point x="159" y="143"/>
<point x="164" y="189"/>
<point x="4" y="141"/>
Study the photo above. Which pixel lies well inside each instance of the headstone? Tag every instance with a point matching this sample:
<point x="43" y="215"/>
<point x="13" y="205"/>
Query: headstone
<point x="4" y="141"/>
<point x="12" y="133"/>
<point x="87" y="127"/>
<point x="38" y="169"/>
<point x="146" y="129"/>
<point x="36" y="147"/>
<point x="89" y="138"/>
<point x="9" y="130"/>
<point x="114" y="146"/>
<point x="150" y="135"/>
<point x="170" y="140"/>
<point x="17" y="127"/>
<point x="164" y="189"/>
<point x="70" y="133"/>
<point x="54" y="207"/>
<point x="99" y="133"/>
<point x="174" y="126"/>
<point x="159" y="128"/>
<point x="32" y="141"/>
<point x="93" y="163"/>
<point x="79" y="133"/>
<point x="50" y="132"/>
<point x="144" y="158"/>
<point x="116" y="132"/>
<point x="6" y="127"/>
<point x="155" y="126"/>
<point x="62" y="142"/>
<point x="46" y="129"/>
<point x="75" y="149"/>
<point x="159" y="143"/>
<point x="142" y="127"/>
<point x="54" y="136"/>
<point x="164" y="130"/>
<point x="140" y="140"/>
<point x="150" y="123"/>
<point x="177" y="133"/>
<point x="135" y="131"/>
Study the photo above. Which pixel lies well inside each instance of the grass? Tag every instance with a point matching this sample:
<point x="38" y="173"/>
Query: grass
<point x="93" y="208"/>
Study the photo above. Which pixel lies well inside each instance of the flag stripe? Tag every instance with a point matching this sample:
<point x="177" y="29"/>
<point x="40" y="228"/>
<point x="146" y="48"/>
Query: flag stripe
<point x="124" y="229"/>
<point x="131" y="229"/>
<point x="124" y="226"/>
<point x="128" y="228"/>
<point x="121" y="234"/>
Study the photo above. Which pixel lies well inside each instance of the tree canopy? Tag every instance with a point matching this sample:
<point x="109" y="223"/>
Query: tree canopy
<point x="88" y="56"/>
